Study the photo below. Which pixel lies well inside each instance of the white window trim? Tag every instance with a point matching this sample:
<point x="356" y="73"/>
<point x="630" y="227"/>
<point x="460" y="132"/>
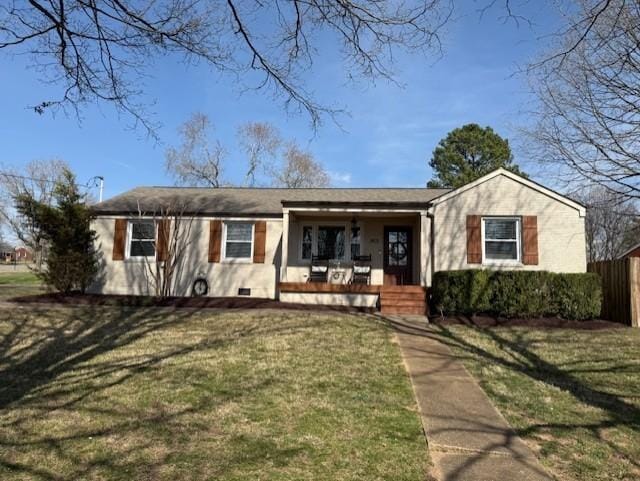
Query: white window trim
<point x="314" y="238"/>
<point x="129" y="239"/>
<point x="237" y="260"/>
<point x="503" y="262"/>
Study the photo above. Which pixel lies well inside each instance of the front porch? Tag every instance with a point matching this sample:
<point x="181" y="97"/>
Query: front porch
<point x="397" y="239"/>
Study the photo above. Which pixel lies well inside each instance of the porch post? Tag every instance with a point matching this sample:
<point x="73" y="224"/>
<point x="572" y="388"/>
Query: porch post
<point x="425" y="247"/>
<point x="285" y="245"/>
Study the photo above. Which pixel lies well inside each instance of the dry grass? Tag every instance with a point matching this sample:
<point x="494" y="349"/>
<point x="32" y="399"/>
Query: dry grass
<point x="150" y="394"/>
<point x="573" y="395"/>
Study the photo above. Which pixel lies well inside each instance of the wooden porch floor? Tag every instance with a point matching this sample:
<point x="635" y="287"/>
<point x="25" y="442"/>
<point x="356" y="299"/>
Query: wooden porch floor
<point x="393" y="299"/>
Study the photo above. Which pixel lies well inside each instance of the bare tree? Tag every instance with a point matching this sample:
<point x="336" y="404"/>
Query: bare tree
<point x="299" y="169"/>
<point x="611" y="225"/>
<point x="588" y="90"/>
<point x="173" y="227"/>
<point x="261" y="142"/>
<point x="198" y="160"/>
<point x="37" y="180"/>
<point x="100" y="49"/>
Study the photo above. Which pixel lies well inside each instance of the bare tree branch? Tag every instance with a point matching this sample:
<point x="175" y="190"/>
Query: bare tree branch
<point x="588" y="116"/>
<point x="612" y="225"/>
<point x="101" y="50"/>
<point x="36" y="180"/>
<point x="173" y="231"/>
<point x="198" y="161"/>
<point x="299" y="170"/>
<point x="261" y="143"/>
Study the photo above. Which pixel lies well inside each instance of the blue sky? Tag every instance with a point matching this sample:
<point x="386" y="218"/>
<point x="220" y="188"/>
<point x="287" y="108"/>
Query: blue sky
<point x="385" y="140"/>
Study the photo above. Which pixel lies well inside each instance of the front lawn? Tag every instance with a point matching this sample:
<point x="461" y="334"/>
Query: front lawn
<point x="18" y="278"/>
<point x="114" y="393"/>
<point x="573" y="395"/>
<point x="14" y="284"/>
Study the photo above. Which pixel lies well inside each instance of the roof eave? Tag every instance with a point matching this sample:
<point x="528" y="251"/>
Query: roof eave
<point x="385" y="204"/>
<point x="136" y="213"/>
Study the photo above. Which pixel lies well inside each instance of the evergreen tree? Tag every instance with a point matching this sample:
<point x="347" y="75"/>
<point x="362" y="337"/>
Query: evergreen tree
<point x="66" y="227"/>
<point x="467" y="153"/>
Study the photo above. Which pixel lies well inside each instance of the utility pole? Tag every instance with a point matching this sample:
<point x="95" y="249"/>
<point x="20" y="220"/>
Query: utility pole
<point x="101" y="188"/>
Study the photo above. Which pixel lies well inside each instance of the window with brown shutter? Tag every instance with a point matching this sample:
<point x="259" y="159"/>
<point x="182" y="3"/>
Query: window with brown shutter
<point x="474" y="239"/>
<point x="530" y="240"/>
<point x="259" y="241"/>
<point x="119" y="239"/>
<point x="215" y="240"/>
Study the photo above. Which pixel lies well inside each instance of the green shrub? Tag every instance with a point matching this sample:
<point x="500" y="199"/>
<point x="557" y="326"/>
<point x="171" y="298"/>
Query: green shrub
<point x="577" y="296"/>
<point x="517" y="293"/>
<point x="464" y="292"/>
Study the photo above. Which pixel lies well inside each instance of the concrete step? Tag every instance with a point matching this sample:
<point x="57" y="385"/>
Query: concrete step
<point x="422" y="310"/>
<point x="402" y="303"/>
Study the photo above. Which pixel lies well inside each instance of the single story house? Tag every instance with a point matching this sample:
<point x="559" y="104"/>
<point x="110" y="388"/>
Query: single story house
<point x="6" y="252"/>
<point x="9" y="253"/>
<point x="23" y="254"/>
<point x="631" y="252"/>
<point x="262" y="242"/>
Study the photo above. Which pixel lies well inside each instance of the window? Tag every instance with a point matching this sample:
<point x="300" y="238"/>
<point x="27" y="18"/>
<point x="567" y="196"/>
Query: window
<point x="501" y="239"/>
<point x="331" y="241"/>
<point x="238" y="240"/>
<point x="142" y="238"/>
<point x="307" y="241"/>
<point x="355" y="241"/>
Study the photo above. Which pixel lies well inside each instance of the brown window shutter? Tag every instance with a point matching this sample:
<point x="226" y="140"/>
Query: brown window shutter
<point x="215" y="240"/>
<point x="259" y="241"/>
<point x="162" y="242"/>
<point x="119" y="239"/>
<point x="530" y="240"/>
<point x="474" y="239"/>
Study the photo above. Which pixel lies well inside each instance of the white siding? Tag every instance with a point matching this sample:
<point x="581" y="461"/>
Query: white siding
<point x="224" y="278"/>
<point x="561" y="236"/>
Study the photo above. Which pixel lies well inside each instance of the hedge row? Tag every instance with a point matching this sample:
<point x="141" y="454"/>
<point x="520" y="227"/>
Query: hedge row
<point x="517" y="293"/>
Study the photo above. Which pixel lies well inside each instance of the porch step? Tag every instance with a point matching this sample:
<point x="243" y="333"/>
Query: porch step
<point x="403" y="300"/>
<point x="404" y="310"/>
<point x="402" y="289"/>
<point x="399" y="296"/>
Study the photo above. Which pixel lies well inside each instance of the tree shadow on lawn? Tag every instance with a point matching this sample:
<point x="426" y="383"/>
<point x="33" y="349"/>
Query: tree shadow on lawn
<point x="50" y="362"/>
<point x="517" y="354"/>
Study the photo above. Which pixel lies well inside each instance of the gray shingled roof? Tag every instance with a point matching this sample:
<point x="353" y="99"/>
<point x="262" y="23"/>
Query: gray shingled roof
<point x="255" y="201"/>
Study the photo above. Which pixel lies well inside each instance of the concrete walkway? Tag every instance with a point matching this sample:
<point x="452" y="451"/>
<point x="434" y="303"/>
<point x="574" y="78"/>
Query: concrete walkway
<point x="468" y="438"/>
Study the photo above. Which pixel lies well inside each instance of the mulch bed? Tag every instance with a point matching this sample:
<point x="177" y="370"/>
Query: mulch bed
<point x="540" y="322"/>
<point x="192" y="302"/>
<point x="257" y="303"/>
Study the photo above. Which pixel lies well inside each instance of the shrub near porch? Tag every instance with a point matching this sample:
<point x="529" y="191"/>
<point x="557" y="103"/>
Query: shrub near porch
<point x="518" y="293"/>
<point x="120" y="394"/>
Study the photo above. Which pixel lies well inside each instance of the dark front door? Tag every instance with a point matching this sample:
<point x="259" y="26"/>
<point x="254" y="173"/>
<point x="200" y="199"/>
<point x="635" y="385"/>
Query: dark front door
<point x="397" y="255"/>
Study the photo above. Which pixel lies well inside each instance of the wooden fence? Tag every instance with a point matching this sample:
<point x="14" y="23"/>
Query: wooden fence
<point x="620" y="289"/>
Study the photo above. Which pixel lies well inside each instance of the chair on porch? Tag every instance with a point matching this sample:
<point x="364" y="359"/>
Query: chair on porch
<point x="319" y="269"/>
<point x="361" y="270"/>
